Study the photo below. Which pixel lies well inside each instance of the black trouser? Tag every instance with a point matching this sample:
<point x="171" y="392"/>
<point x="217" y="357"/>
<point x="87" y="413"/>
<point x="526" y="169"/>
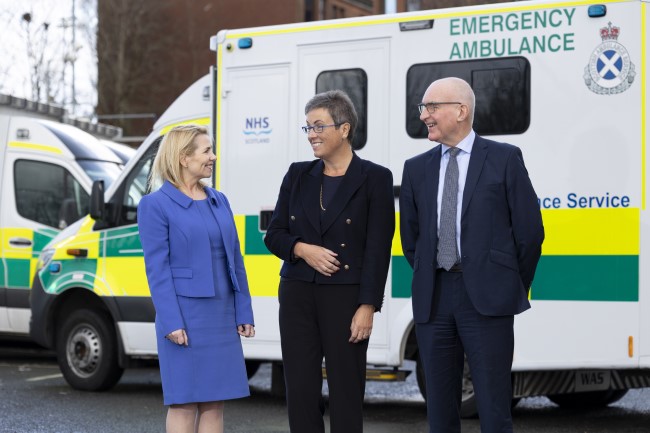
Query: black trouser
<point x="315" y="322"/>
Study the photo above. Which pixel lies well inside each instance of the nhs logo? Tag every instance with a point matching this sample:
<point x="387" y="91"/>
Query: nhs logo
<point x="257" y="130"/>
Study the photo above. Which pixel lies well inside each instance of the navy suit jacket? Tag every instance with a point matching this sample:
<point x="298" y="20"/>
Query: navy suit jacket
<point x="177" y="253"/>
<point x="358" y="225"/>
<point x="501" y="228"/>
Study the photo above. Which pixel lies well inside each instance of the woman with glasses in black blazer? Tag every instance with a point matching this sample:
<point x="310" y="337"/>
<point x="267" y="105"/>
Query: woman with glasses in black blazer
<point x="333" y="226"/>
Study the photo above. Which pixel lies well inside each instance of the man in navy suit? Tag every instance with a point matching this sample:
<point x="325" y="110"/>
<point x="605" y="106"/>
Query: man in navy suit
<point x="473" y="258"/>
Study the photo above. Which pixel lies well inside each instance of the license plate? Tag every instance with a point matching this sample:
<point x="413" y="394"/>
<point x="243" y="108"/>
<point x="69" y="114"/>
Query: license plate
<point x="592" y="380"/>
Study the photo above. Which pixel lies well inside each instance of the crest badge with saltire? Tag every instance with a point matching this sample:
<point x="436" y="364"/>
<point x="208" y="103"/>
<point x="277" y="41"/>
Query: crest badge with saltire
<point x="610" y="69"/>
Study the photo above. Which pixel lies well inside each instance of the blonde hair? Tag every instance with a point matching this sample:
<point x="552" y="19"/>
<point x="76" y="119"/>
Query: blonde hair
<point x="178" y="142"/>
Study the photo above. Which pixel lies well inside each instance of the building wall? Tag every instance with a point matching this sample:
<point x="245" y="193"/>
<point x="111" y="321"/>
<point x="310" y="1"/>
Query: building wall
<point x="420" y="5"/>
<point x="332" y="9"/>
<point x="149" y="51"/>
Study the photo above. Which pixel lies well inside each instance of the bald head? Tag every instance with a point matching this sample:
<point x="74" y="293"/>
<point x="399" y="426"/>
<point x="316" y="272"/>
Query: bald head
<point x="449" y="110"/>
<point x="455" y="89"/>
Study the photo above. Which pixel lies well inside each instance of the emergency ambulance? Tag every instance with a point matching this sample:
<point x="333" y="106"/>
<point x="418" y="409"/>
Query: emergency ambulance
<point x="565" y="81"/>
<point x="47" y="171"/>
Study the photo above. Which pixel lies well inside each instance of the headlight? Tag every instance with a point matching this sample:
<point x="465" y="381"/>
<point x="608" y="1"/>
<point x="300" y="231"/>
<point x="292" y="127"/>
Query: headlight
<point x="44" y="258"/>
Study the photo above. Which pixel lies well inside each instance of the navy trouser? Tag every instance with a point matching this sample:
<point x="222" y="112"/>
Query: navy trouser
<point x="455" y="327"/>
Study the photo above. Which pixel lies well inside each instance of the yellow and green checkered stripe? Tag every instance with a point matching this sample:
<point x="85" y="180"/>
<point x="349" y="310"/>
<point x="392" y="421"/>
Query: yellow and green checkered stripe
<point x="588" y="255"/>
<point x="114" y="265"/>
<point x="117" y="255"/>
<point x="123" y="263"/>
<point x="20" y="266"/>
<point x="262" y="268"/>
<point x="75" y="271"/>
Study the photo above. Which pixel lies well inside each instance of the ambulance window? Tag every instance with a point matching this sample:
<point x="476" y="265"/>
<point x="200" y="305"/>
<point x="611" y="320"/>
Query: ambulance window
<point x="137" y="186"/>
<point x="354" y="82"/>
<point x="48" y="194"/>
<point x="501" y="86"/>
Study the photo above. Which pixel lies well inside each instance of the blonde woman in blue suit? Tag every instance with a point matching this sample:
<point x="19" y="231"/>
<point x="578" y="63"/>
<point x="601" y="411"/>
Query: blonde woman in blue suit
<point x="198" y="284"/>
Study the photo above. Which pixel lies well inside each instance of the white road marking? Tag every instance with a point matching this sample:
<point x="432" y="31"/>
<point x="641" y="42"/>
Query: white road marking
<point x="48" y="377"/>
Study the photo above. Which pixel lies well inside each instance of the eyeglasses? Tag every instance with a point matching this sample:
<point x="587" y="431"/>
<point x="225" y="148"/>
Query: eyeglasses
<point x="432" y="107"/>
<point x="318" y="128"/>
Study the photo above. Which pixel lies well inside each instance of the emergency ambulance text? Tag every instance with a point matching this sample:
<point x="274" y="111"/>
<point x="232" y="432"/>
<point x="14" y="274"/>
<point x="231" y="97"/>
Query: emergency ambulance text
<point x="512" y="25"/>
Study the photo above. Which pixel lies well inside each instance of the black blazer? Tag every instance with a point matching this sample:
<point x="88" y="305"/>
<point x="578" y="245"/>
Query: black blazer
<point x="358" y="225"/>
<point x="501" y="228"/>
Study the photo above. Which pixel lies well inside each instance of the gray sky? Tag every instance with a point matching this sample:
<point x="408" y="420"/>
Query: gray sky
<point x="56" y="48"/>
<point x="53" y="46"/>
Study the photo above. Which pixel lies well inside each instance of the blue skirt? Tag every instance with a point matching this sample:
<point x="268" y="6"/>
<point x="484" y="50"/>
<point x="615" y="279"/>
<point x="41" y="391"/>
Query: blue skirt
<point x="212" y="367"/>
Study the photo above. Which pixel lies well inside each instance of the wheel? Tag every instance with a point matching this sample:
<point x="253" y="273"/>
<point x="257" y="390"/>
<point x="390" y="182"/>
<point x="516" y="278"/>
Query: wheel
<point x="588" y="400"/>
<point x="419" y="376"/>
<point x="86" y="350"/>
<point x="468" y="407"/>
<point x="251" y="367"/>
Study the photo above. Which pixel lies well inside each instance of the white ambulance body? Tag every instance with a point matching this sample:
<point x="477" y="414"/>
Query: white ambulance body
<point x="564" y="81"/>
<point x="569" y="89"/>
<point x="46" y="173"/>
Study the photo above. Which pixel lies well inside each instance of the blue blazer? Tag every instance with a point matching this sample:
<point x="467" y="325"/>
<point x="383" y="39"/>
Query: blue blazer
<point x="177" y="253"/>
<point x="358" y="225"/>
<point x="501" y="228"/>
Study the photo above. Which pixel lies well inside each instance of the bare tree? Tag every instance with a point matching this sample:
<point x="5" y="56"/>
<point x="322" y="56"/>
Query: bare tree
<point x="131" y="43"/>
<point x="439" y="4"/>
<point x="44" y="59"/>
<point x="38" y="52"/>
<point x="6" y="55"/>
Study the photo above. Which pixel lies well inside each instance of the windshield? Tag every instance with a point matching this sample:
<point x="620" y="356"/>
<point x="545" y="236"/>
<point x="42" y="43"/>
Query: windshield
<point x="122" y="151"/>
<point x="101" y="170"/>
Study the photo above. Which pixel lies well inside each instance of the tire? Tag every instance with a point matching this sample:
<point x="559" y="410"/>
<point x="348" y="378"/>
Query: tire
<point x="468" y="407"/>
<point x="86" y="350"/>
<point x="419" y="376"/>
<point x="588" y="400"/>
<point x="251" y="367"/>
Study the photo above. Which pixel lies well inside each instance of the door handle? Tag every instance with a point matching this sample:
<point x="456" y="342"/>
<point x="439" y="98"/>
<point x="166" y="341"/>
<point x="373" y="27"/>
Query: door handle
<point x="20" y="242"/>
<point x="265" y="219"/>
